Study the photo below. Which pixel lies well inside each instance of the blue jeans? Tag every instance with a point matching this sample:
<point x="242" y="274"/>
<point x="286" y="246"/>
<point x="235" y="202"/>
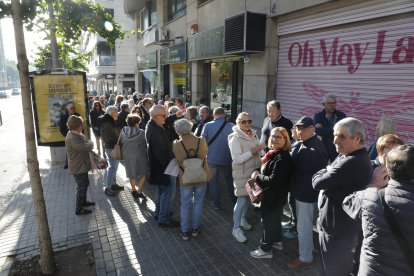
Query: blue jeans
<point x="213" y="184"/>
<point x="164" y="199"/>
<point x="192" y="198"/>
<point x="240" y="210"/>
<point x="112" y="169"/>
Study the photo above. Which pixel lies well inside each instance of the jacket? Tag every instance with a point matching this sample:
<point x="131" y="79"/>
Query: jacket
<point x="95" y="121"/>
<point x="346" y="175"/>
<point x="109" y="131"/>
<point x="380" y="252"/>
<point x="326" y="131"/>
<point x="160" y="152"/>
<point x="310" y="158"/>
<point x="190" y="142"/>
<point x="63" y="127"/>
<point x="275" y="177"/>
<point x="244" y="163"/>
<point x="218" y="151"/>
<point x="77" y="150"/>
<point x="121" y="122"/>
<point x="268" y="125"/>
<point x="134" y="152"/>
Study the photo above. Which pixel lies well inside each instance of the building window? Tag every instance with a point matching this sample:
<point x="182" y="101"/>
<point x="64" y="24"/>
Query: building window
<point x="201" y="2"/>
<point x="148" y="15"/>
<point x="176" y="8"/>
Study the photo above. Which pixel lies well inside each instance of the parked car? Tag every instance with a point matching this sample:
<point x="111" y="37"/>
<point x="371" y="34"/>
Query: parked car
<point x="4" y="94"/>
<point x="15" y="91"/>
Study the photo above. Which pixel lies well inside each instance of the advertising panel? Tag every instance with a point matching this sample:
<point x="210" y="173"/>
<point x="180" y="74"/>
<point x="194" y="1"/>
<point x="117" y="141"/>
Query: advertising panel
<point x="51" y="94"/>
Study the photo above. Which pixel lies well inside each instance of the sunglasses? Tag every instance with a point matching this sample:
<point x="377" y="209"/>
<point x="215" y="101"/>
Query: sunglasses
<point x="244" y="122"/>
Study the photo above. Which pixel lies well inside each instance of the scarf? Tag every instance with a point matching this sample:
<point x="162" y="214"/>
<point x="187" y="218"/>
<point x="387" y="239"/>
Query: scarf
<point x="269" y="155"/>
<point x="248" y="132"/>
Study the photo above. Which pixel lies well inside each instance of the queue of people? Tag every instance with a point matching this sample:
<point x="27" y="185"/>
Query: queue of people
<point x="327" y="173"/>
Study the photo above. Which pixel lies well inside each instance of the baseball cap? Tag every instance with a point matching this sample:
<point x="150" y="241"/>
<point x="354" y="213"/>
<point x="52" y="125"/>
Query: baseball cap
<point x="305" y="122"/>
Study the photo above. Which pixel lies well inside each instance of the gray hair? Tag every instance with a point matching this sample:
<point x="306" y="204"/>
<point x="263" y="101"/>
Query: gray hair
<point x="173" y="109"/>
<point x="183" y="126"/>
<point x="241" y="116"/>
<point x="354" y="127"/>
<point x="219" y="111"/>
<point x="327" y="97"/>
<point x="385" y="126"/>
<point x="273" y="103"/>
<point x="400" y="163"/>
<point x="204" y="107"/>
<point x="110" y="109"/>
<point x="156" y="110"/>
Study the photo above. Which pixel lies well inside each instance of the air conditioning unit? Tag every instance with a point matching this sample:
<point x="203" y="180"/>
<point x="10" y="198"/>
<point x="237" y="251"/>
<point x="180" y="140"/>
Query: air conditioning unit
<point x="245" y="33"/>
<point x="161" y="34"/>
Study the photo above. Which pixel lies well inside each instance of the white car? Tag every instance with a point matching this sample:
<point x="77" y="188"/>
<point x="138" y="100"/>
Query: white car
<point x="4" y="94"/>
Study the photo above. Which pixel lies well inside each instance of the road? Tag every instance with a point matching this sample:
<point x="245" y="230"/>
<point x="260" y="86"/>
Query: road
<point x="12" y="147"/>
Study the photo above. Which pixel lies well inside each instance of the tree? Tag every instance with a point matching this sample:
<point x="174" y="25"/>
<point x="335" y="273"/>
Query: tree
<point x="48" y="264"/>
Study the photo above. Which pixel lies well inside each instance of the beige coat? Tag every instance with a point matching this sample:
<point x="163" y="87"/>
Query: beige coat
<point x="77" y="149"/>
<point x="190" y="142"/>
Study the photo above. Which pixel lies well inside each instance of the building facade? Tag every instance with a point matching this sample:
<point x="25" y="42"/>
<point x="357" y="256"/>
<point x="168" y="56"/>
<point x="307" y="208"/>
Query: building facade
<point x="241" y="54"/>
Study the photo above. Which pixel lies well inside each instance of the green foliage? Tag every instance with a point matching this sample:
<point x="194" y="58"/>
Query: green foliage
<point x="28" y="10"/>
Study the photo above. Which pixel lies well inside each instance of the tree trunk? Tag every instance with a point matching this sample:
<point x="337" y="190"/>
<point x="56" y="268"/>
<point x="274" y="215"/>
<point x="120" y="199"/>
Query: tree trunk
<point x="47" y="260"/>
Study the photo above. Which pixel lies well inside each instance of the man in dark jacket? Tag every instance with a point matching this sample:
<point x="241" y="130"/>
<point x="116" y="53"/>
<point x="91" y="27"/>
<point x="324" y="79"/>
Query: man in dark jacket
<point x="274" y="119"/>
<point x="122" y="116"/>
<point x="110" y="134"/>
<point x="351" y="171"/>
<point x="311" y="158"/>
<point x="205" y="117"/>
<point x="161" y="157"/>
<point x="325" y="121"/>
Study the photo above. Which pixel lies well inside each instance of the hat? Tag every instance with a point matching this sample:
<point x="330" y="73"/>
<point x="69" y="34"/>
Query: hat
<point x="305" y="122"/>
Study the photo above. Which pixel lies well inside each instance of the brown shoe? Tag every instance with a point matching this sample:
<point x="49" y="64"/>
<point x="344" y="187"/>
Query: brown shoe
<point x="297" y="264"/>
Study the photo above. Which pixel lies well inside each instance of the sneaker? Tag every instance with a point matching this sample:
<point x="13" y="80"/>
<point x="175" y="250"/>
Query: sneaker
<point x="196" y="232"/>
<point x="109" y="192"/>
<point x="246" y="226"/>
<point x="141" y="195"/>
<point x="89" y="203"/>
<point x="297" y="264"/>
<point x="278" y="245"/>
<point x="185" y="236"/>
<point x="286" y="224"/>
<point x="290" y="234"/>
<point x="117" y="187"/>
<point x="260" y="254"/>
<point x="239" y="235"/>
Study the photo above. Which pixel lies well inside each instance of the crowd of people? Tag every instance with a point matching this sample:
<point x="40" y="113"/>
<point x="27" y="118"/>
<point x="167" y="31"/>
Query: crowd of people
<point x="318" y="166"/>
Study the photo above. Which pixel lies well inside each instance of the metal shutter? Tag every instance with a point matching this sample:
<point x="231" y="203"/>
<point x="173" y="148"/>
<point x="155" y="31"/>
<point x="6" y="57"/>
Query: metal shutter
<point x="379" y="87"/>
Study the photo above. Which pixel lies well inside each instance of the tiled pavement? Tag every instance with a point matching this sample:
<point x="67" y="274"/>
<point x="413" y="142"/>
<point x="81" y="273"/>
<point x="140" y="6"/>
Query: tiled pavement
<point x="124" y="236"/>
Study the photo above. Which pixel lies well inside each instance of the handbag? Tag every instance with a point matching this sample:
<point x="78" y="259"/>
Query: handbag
<point x="254" y="191"/>
<point x="97" y="162"/>
<point x="193" y="171"/>
<point x="402" y="241"/>
<point x="116" y="153"/>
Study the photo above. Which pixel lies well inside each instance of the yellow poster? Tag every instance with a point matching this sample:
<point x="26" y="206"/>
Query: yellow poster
<point x="52" y="94"/>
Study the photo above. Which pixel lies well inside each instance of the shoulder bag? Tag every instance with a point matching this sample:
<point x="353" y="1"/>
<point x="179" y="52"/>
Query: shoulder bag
<point x="193" y="171"/>
<point x="217" y="133"/>
<point x="254" y="191"/>
<point x="116" y="153"/>
<point x="402" y="241"/>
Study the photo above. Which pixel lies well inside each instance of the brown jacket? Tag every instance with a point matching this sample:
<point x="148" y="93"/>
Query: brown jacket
<point x="77" y="149"/>
<point x="190" y="142"/>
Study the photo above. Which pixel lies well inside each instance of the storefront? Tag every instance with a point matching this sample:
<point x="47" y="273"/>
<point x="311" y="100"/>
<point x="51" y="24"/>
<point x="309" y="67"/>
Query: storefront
<point x="366" y="59"/>
<point x="147" y="68"/>
<point x="223" y="75"/>
<point x="174" y="69"/>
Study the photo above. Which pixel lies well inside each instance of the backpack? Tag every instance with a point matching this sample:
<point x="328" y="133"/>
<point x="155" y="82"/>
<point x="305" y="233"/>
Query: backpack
<point x="193" y="171"/>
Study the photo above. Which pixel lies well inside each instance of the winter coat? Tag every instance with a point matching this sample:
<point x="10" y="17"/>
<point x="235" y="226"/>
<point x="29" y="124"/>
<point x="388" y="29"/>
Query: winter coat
<point x="190" y="142"/>
<point x="347" y="174"/>
<point x="268" y="125"/>
<point x="275" y="177"/>
<point x="77" y="150"/>
<point x="109" y="131"/>
<point x="134" y="152"/>
<point x="121" y="122"/>
<point x="160" y="152"/>
<point x="380" y="252"/>
<point x="95" y="121"/>
<point x="244" y="163"/>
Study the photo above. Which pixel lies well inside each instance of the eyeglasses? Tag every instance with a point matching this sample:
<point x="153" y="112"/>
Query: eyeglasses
<point x="244" y="122"/>
<point x="277" y="137"/>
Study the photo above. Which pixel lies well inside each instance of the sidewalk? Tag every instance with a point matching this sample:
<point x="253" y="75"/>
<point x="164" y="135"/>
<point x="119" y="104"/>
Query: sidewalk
<point x="126" y="240"/>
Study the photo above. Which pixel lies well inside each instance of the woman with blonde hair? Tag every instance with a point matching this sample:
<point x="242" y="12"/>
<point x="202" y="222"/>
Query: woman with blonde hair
<point x="274" y="178"/>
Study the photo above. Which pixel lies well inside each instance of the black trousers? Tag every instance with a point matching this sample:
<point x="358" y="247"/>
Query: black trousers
<point x="82" y="181"/>
<point x="271" y="225"/>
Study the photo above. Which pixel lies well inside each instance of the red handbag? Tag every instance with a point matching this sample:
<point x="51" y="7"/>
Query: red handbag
<point x="254" y="191"/>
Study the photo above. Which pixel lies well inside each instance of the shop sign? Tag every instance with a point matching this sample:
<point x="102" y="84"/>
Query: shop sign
<point x="109" y="76"/>
<point x="147" y="61"/>
<point x="51" y="94"/>
<point x="173" y="54"/>
<point x="207" y="44"/>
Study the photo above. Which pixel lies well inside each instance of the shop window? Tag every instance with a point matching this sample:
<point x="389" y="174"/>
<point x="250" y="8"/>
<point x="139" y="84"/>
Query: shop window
<point x="176" y="8"/>
<point x="178" y="78"/>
